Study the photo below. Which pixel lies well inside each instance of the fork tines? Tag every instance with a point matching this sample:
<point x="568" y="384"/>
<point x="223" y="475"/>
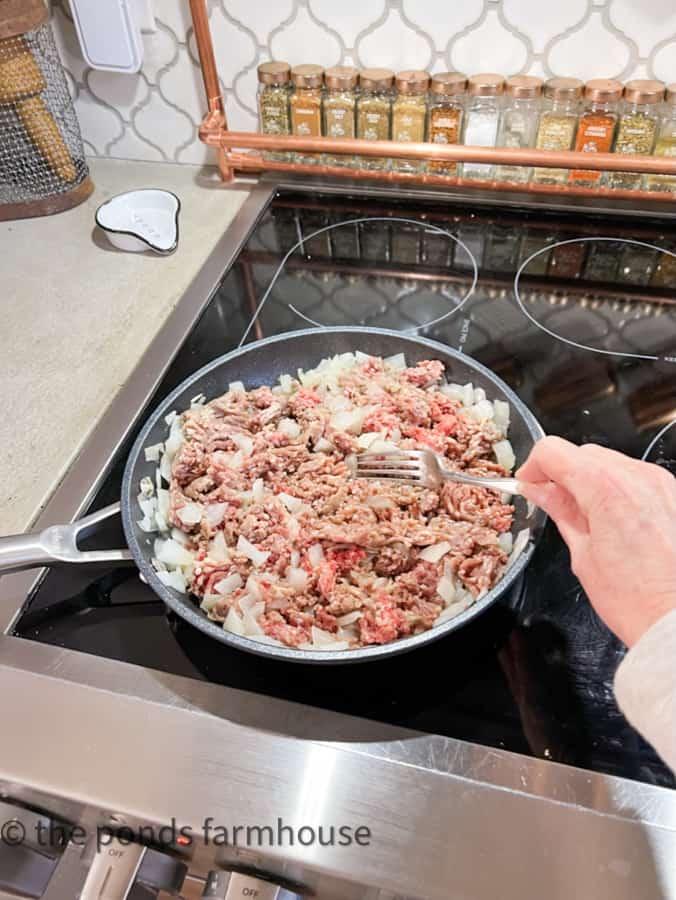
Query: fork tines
<point x="399" y="464"/>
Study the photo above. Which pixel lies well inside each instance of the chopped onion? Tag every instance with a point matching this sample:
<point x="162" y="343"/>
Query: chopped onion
<point x="446" y="589"/>
<point x="380" y="446"/>
<point x="236" y="387"/>
<point x="266" y="639"/>
<point x="290" y="428"/>
<point x="258" y="491"/>
<point x="148" y="505"/>
<point x="146" y="486"/>
<point x="504" y="454"/>
<point x="171" y="418"/>
<point x="321" y="638"/>
<point x="295" y="558"/>
<point x="453" y="391"/>
<point x="153" y="453"/>
<point x="481" y="411"/>
<point x="253" y="588"/>
<point x="162" y="513"/>
<point x="293" y="504"/>
<point x="165" y="468"/>
<point x="215" y="513"/>
<point x="257" y="557"/>
<point x="236" y="460"/>
<point x="180" y="537"/>
<point x="173" y="580"/>
<point x="174" y="440"/>
<point x="243" y="442"/>
<point x="368" y="437"/>
<point x="198" y="400"/>
<point x="190" y="514"/>
<point x="350" y="420"/>
<point x="377" y="502"/>
<point x="349" y="618"/>
<point x="479" y="395"/>
<point x="172" y="554"/>
<point x="396" y="362"/>
<point x="218" y="549"/>
<point x="315" y="554"/>
<point x="501" y="415"/>
<point x="286" y="383"/>
<point x="520" y="543"/>
<point x="234" y="623"/>
<point x="506" y="542"/>
<point x="251" y="610"/>
<point x="209" y="601"/>
<point x="468" y="394"/>
<point x="362" y="357"/>
<point x="434" y="552"/>
<point x="323" y="446"/>
<point x="293" y="527"/>
<point x="147" y="524"/>
<point x="297" y="578"/>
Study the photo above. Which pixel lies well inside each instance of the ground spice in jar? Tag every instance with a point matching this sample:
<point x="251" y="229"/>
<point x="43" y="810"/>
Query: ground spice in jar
<point x="374" y="112"/>
<point x="665" y="144"/>
<point x="596" y="128"/>
<point x="445" y="117"/>
<point x="340" y="102"/>
<point x="558" y="123"/>
<point x="306" y="107"/>
<point x="409" y="115"/>
<point x="637" y="127"/>
<point x="273" y="103"/>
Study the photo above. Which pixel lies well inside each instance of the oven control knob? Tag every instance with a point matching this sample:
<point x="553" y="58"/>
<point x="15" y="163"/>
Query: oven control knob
<point x="222" y="885"/>
<point x="128" y="870"/>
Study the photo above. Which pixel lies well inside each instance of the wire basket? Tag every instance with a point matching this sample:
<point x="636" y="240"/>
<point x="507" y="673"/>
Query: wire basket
<point x="42" y="162"/>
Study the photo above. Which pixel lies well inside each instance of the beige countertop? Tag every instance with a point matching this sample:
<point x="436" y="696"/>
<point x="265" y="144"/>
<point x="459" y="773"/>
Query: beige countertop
<point x="77" y="316"/>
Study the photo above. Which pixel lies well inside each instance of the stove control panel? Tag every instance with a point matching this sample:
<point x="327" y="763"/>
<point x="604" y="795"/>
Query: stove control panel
<point x="224" y="885"/>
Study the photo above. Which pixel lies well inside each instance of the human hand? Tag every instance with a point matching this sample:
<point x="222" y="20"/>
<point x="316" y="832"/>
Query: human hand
<point x="618" y="517"/>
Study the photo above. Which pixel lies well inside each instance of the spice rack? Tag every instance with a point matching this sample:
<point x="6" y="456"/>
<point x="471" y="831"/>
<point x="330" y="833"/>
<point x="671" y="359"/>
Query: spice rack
<point x="229" y="146"/>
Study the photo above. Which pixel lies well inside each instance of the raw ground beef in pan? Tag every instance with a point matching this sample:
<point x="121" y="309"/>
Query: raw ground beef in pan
<point x="286" y="544"/>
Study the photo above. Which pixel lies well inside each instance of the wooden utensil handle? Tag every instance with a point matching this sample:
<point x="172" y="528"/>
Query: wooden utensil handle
<point x="44" y="133"/>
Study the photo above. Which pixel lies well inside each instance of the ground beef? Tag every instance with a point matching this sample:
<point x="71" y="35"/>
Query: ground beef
<point x="269" y="467"/>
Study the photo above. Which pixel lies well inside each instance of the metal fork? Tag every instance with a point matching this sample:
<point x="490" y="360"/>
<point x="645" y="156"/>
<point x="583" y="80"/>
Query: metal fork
<point x="424" y="467"/>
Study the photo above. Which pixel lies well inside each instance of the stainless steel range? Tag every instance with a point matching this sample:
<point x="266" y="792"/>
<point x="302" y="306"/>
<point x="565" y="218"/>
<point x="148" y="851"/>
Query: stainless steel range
<point x="493" y="763"/>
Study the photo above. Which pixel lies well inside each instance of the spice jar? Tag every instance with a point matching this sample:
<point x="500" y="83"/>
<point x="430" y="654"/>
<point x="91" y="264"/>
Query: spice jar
<point x="374" y="112"/>
<point x="666" y="143"/>
<point x="306" y="107"/>
<point x="273" y="103"/>
<point x="446" y="116"/>
<point x="637" y="127"/>
<point x="596" y="127"/>
<point x="409" y="115"/>
<point x="518" y="122"/>
<point x="558" y="123"/>
<point x="340" y="102"/>
<point x="481" y="119"/>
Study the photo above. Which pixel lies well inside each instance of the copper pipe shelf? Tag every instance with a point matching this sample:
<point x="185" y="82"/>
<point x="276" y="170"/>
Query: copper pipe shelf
<point x="215" y="133"/>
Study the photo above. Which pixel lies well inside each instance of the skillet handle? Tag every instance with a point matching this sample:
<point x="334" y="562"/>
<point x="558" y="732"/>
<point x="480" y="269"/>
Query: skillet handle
<point x="57" y="545"/>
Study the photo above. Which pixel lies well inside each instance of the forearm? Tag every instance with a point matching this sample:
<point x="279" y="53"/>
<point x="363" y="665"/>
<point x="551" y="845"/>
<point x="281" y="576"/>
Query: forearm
<point x="645" y="686"/>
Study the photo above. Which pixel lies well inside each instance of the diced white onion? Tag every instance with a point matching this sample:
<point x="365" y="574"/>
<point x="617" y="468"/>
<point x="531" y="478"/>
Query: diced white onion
<point x="236" y="387"/>
<point x="293" y="528"/>
<point x="396" y="362"/>
<point x="236" y="460"/>
<point x="293" y="504"/>
<point x="147" y="524"/>
<point x="295" y="558"/>
<point x="297" y="578"/>
<point x="350" y="420"/>
<point x="190" y="514"/>
<point x="323" y="446"/>
<point x="152" y="453"/>
<point x="286" y="383"/>
<point x="506" y="542"/>
<point x="218" y="549"/>
<point x="321" y="638"/>
<point x="453" y="392"/>
<point x="446" y="589"/>
<point x="468" y="394"/>
<point x="172" y="554"/>
<point x="165" y="467"/>
<point x="479" y="395"/>
<point x="380" y="446"/>
<point x="253" y="588"/>
<point x="520" y="543"/>
<point x="257" y="557"/>
<point x="434" y="552"/>
<point x="349" y="618"/>
<point x="215" y="513"/>
<point x="174" y="580"/>
<point x="171" y="418"/>
<point x="198" y="400"/>
<point x="174" y="440"/>
<point x="209" y="601"/>
<point x="368" y="437"/>
<point x="243" y="442"/>
<point x="315" y="554"/>
<point x="481" y="411"/>
<point x="362" y="357"/>
<point x="504" y="454"/>
<point x="180" y="537"/>
<point x="501" y="415"/>
<point x="290" y="428"/>
<point x="234" y="623"/>
<point x="146" y="486"/>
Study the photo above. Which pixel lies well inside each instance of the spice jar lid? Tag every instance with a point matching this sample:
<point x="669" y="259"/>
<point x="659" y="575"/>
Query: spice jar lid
<point x="486" y="84"/>
<point x="412" y="81"/>
<point x="670" y="93"/>
<point x="341" y="77"/>
<point x="523" y="87"/>
<point x="274" y="72"/>
<point x="563" y="88"/>
<point x="307" y="76"/>
<point x="448" y="83"/>
<point x="643" y="90"/>
<point x="376" y="79"/>
<point x="603" y="90"/>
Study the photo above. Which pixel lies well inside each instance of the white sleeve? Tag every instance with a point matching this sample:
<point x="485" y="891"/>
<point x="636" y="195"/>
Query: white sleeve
<point x="645" y="687"/>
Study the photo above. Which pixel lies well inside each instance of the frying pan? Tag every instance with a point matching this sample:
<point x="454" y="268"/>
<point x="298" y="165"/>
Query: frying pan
<point x="258" y="364"/>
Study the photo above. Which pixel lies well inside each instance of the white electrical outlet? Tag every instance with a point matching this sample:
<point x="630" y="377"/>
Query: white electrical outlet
<point x="109" y="35"/>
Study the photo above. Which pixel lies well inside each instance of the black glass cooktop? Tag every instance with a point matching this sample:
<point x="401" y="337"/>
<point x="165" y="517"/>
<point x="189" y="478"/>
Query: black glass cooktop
<point x="578" y="314"/>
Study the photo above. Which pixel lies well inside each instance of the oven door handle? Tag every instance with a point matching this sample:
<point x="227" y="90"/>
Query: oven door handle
<point x="58" y="545"/>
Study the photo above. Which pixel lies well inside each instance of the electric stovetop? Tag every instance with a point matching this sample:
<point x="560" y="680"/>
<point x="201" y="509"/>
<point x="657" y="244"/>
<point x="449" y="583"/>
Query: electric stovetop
<point x="578" y="314"/>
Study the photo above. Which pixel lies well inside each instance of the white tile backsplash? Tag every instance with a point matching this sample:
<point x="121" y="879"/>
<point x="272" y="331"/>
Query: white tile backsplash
<point x="154" y="115"/>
